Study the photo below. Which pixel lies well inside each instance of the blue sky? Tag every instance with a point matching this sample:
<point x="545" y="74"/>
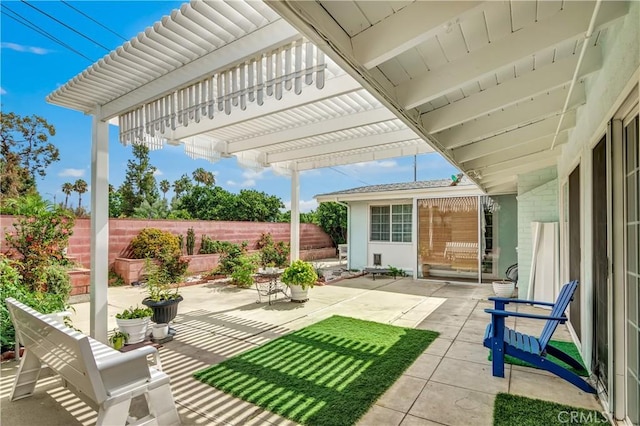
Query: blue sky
<point x="32" y="66"/>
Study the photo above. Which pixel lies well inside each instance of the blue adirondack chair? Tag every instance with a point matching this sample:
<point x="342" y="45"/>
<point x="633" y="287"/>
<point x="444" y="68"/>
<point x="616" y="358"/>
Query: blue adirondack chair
<point x="504" y="341"/>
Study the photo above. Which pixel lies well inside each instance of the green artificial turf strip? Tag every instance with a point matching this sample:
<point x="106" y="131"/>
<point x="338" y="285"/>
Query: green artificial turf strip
<point x="568" y="348"/>
<point x="329" y="373"/>
<point x="510" y="410"/>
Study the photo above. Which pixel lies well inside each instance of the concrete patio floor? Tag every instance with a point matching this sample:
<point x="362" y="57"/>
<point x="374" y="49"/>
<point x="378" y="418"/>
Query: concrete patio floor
<point x="450" y="384"/>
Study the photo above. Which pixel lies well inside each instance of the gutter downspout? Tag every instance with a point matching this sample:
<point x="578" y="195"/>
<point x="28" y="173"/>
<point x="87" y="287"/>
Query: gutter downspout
<point x="587" y="37"/>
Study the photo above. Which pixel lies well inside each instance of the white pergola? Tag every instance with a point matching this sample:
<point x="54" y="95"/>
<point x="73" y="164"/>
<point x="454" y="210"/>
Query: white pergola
<point x="493" y="86"/>
<point x="227" y="79"/>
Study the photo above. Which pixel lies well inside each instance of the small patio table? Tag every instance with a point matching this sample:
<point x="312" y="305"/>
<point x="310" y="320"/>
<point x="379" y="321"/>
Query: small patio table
<point x="374" y="271"/>
<point x="272" y="287"/>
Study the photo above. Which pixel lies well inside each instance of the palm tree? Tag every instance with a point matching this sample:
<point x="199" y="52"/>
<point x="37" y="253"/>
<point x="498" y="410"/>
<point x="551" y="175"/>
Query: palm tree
<point x="67" y="189"/>
<point x="80" y="186"/>
<point x="200" y="175"/>
<point x="164" y="187"/>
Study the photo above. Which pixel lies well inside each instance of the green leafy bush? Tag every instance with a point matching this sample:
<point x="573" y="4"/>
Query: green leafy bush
<point x="211" y="246"/>
<point x="134" y="313"/>
<point x="11" y="286"/>
<point x="163" y="246"/>
<point x="58" y="280"/>
<point x="229" y="258"/>
<point x="40" y="237"/>
<point x="154" y="243"/>
<point x="272" y="253"/>
<point x="245" y="267"/>
<point x="300" y="273"/>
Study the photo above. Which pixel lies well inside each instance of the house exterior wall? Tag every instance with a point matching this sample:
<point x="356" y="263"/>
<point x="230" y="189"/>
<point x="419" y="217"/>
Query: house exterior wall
<point x="507" y="239"/>
<point x="358" y="234"/>
<point x="539" y="204"/>
<point x="606" y="90"/>
<point x="399" y="255"/>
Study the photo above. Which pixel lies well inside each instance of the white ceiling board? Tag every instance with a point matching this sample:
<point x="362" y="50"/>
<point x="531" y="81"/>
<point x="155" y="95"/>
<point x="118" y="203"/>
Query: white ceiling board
<point x="521" y="165"/>
<point x="506" y="94"/>
<point x="347" y="15"/>
<point x="501" y="53"/>
<point x="412" y="62"/>
<point x="520" y="150"/>
<point x="546" y="8"/>
<point x="409" y="27"/>
<point x="523" y="13"/>
<point x="519" y="136"/>
<point x="541" y="106"/>
<point x="474" y="30"/>
<point x="375" y="11"/>
<point x="432" y="54"/>
<point x="394" y="71"/>
<point x="453" y="43"/>
<point x="498" y="17"/>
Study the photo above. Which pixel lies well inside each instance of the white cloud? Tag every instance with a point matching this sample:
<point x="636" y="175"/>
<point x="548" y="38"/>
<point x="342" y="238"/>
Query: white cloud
<point x="305" y="206"/>
<point x="251" y="174"/>
<point x="23" y="48"/>
<point x="2" y="91"/>
<point x="385" y="164"/>
<point x="72" y="173"/>
<point x="158" y="172"/>
<point x="247" y="183"/>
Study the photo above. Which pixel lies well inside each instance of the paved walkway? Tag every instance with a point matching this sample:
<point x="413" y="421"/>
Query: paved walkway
<point x="449" y="384"/>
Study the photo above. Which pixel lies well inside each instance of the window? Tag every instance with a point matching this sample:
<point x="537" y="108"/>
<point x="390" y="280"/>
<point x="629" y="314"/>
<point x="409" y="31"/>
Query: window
<point x="391" y="223"/>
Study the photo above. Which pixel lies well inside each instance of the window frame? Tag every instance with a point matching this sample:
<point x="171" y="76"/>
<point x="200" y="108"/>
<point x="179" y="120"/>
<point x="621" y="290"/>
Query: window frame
<point x="406" y="220"/>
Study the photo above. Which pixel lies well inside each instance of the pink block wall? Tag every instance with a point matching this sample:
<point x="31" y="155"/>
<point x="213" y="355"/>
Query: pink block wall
<point x="122" y="231"/>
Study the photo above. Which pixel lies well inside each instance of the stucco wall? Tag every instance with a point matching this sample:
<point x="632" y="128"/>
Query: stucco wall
<point x="507" y="232"/>
<point x="358" y="234"/>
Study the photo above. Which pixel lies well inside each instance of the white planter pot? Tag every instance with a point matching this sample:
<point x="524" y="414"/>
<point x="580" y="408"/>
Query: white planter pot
<point x="160" y="331"/>
<point x="298" y="294"/>
<point x="503" y="288"/>
<point x="135" y="328"/>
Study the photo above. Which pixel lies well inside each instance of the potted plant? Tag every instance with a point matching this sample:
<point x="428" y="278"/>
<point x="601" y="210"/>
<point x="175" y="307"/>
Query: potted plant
<point x="134" y="322"/>
<point x="161" y="297"/>
<point x="118" y="339"/>
<point x="506" y="286"/>
<point x="300" y="276"/>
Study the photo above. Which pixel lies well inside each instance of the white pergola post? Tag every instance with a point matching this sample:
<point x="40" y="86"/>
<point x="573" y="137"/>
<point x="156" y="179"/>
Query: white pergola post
<point x="99" y="227"/>
<point x="295" y="216"/>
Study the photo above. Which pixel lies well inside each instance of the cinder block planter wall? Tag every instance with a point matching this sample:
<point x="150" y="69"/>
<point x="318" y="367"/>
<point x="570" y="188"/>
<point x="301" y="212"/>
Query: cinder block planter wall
<point x="314" y="242"/>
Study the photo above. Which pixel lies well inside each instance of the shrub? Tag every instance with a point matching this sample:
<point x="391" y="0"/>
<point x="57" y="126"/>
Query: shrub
<point x="158" y="282"/>
<point x="163" y="246"/>
<point x="10" y="286"/>
<point x="154" y="243"/>
<point x="58" y="280"/>
<point x="40" y="238"/>
<point x="211" y="246"/>
<point x="272" y="253"/>
<point x="229" y="258"/>
<point x="245" y="267"/>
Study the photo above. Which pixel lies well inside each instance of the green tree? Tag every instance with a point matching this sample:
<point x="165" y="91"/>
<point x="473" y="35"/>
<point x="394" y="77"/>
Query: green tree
<point x="115" y="202"/>
<point x="332" y="218"/>
<point x="308" y="217"/>
<point x="139" y="182"/>
<point x="182" y="185"/>
<point x="67" y="189"/>
<point x="165" y="186"/>
<point x="158" y="210"/>
<point x="256" y="206"/>
<point x="201" y="176"/>
<point x="26" y="152"/>
<point x="80" y="186"/>
<point x="209" y="203"/>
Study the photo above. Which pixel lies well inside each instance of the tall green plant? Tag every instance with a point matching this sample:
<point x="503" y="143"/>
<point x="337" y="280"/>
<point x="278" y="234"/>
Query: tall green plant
<point x="245" y="267"/>
<point x="191" y="241"/>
